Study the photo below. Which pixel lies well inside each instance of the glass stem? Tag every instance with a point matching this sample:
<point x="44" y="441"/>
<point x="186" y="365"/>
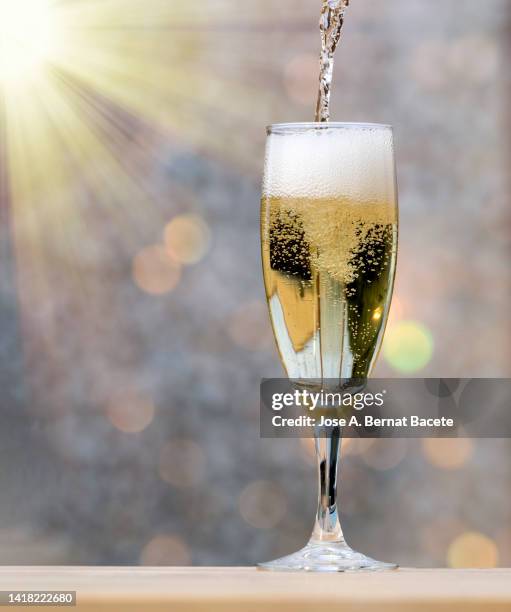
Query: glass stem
<point x="327" y="527"/>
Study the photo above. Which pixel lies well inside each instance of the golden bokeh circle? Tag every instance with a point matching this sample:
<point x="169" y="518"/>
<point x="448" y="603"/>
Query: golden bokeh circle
<point x="472" y="550"/>
<point x="130" y="411"/>
<point x="154" y="271"/>
<point x="187" y="239"/>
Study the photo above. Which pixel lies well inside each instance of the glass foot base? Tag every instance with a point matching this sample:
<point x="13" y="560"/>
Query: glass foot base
<point x="326" y="557"/>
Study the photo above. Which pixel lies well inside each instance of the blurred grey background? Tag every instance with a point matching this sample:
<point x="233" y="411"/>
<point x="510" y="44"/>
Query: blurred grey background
<point x="134" y="332"/>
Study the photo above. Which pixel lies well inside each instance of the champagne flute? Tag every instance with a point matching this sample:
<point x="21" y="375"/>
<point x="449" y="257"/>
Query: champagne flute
<point x="329" y="227"/>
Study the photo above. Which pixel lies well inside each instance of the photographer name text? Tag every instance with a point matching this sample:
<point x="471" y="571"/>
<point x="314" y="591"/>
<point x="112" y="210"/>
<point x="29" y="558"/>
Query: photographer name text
<point x="366" y="421"/>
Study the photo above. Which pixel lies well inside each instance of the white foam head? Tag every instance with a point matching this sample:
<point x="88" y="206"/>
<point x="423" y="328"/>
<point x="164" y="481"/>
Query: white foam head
<point x="341" y="160"/>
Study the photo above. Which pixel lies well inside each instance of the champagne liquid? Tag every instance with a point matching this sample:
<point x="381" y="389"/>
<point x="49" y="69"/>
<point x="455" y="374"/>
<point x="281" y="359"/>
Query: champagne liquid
<point x="330" y="25"/>
<point x="329" y="267"/>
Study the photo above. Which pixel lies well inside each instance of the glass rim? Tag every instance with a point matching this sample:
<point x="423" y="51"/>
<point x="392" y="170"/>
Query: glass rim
<point x="316" y="125"/>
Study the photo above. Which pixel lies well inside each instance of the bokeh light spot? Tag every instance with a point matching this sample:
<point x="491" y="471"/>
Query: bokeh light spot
<point x="408" y="346"/>
<point x="130" y="411"/>
<point x="472" y="549"/>
<point x="262" y="504"/>
<point x="181" y="463"/>
<point x="154" y="271"/>
<point x="447" y="453"/>
<point x="165" y="550"/>
<point x="187" y="239"/>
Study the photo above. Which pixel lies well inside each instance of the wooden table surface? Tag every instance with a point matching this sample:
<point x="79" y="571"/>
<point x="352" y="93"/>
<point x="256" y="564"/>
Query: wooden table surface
<point x="250" y="590"/>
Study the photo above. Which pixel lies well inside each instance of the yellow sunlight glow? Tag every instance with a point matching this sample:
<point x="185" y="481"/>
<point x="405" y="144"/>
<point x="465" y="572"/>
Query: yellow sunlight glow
<point x="27" y="39"/>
